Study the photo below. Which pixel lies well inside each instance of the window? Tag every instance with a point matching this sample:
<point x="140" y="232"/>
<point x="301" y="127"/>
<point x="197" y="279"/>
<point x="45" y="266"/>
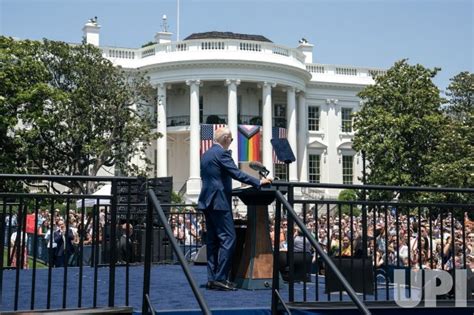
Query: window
<point x="280" y="171"/>
<point x="314" y="168"/>
<point x="346" y="114"/>
<point x="313" y="118"/>
<point x="279" y="115"/>
<point x="347" y="169"/>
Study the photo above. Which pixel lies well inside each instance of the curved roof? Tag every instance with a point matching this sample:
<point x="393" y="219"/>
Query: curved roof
<point x="227" y="35"/>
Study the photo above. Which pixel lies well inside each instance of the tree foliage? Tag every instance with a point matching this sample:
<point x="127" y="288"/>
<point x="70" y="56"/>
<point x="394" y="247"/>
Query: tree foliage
<point x="349" y="195"/>
<point x="21" y="76"/>
<point x="69" y="110"/>
<point x="453" y="162"/>
<point x="399" y="125"/>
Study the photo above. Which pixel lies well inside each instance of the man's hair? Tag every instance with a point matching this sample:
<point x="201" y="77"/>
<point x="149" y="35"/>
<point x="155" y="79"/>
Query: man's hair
<point x="220" y="133"/>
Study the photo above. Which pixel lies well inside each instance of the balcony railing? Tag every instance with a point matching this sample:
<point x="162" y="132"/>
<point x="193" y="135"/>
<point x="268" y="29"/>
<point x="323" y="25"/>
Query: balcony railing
<point x="343" y="70"/>
<point x="184" y="120"/>
<point x="177" y="121"/>
<point x="225" y="45"/>
<point x="250" y="120"/>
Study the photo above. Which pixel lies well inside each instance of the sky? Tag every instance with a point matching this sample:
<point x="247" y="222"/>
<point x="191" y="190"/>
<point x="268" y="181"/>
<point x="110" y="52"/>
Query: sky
<point x="366" y="33"/>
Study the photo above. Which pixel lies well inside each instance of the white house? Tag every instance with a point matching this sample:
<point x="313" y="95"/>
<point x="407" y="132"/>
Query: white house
<point x="239" y="79"/>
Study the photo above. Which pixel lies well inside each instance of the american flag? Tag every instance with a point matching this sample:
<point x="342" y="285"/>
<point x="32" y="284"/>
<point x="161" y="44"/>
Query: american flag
<point x="278" y="133"/>
<point x="207" y="135"/>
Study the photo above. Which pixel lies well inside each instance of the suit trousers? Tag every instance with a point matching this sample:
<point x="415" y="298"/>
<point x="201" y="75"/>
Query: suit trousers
<point x="221" y="239"/>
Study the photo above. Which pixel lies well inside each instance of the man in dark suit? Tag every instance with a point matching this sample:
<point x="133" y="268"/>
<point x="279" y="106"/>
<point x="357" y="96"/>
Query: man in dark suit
<point x="64" y="249"/>
<point x="217" y="171"/>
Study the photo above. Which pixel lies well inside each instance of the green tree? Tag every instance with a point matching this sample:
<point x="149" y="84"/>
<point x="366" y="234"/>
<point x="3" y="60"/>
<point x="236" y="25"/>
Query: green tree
<point x="349" y="195"/>
<point x="399" y="125"/>
<point x="453" y="162"/>
<point x="80" y="113"/>
<point x="22" y="76"/>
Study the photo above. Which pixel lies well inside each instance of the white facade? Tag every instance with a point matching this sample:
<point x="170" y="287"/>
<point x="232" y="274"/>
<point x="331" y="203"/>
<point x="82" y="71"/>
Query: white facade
<point x="236" y="79"/>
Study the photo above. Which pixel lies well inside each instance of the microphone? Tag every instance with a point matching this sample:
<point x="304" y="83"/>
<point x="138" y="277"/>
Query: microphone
<point x="259" y="167"/>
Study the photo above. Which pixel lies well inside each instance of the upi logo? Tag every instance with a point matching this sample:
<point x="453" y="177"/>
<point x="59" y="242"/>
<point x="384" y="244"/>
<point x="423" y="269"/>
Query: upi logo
<point x="437" y="282"/>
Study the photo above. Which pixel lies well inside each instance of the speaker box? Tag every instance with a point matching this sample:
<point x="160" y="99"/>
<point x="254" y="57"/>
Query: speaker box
<point x="161" y="250"/>
<point x="201" y="256"/>
<point x="358" y="273"/>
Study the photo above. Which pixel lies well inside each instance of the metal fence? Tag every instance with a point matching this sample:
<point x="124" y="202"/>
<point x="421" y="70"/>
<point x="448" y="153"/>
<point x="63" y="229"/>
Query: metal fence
<point x="368" y="240"/>
<point x="59" y="232"/>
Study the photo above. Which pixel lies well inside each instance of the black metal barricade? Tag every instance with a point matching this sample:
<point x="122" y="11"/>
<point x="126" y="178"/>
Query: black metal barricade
<point x="97" y="233"/>
<point x="369" y="239"/>
<point x="156" y="215"/>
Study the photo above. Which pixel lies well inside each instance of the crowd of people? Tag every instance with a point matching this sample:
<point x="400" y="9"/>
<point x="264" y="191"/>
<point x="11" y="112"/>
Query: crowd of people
<point x="57" y="233"/>
<point x="393" y="239"/>
<point x="412" y="242"/>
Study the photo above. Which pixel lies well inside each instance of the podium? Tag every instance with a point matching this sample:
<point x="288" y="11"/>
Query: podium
<point x="255" y="270"/>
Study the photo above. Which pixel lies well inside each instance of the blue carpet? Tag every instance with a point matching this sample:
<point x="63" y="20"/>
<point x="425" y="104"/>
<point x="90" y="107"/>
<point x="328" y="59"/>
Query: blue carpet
<point x="169" y="290"/>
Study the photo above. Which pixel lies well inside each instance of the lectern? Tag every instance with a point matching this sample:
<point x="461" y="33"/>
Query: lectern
<point x="255" y="270"/>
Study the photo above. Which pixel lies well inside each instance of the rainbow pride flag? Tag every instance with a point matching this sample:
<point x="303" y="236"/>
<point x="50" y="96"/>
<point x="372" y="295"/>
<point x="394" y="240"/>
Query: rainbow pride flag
<point x="249" y="143"/>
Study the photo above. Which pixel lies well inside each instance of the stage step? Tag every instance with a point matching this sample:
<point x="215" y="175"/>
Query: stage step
<point x="99" y="310"/>
<point x="377" y="308"/>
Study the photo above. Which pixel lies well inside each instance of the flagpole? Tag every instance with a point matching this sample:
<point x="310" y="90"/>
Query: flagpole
<point x="177" y="21"/>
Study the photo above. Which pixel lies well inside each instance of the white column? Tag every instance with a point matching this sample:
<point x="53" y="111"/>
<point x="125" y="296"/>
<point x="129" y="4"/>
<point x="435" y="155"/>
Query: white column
<point x="302" y="138"/>
<point x="161" y="143"/>
<point x="194" y="181"/>
<point x="232" y="115"/>
<point x="333" y="158"/>
<point x="267" y="126"/>
<point x="291" y="133"/>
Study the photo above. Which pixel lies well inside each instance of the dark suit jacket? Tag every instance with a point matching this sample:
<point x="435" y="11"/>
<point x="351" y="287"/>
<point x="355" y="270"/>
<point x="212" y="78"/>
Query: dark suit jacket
<point x="61" y="247"/>
<point x="217" y="170"/>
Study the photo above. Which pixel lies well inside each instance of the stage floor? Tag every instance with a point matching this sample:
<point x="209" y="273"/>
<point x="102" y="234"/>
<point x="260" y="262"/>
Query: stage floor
<point x="169" y="290"/>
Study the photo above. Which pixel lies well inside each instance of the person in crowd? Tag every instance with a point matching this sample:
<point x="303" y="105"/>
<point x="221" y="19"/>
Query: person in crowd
<point x="217" y="171"/>
<point x="84" y="233"/>
<point x="301" y="243"/>
<point x="179" y="230"/>
<point x="19" y="250"/>
<point x="125" y="245"/>
<point x="190" y="232"/>
<point x="346" y="249"/>
<point x="64" y="246"/>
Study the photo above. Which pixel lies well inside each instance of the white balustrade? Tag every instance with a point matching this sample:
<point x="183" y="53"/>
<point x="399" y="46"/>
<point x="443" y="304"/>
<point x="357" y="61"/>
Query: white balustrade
<point x="196" y="45"/>
<point x="315" y="68"/>
<point x="148" y="52"/>
<point x="231" y="46"/>
<point x="212" y="45"/>
<point x="375" y="72"/>
<point x="250" y="46"/>
<point x="324" y="69"/>
<point x="346" y="71"/>
<point x="121" y="53"/>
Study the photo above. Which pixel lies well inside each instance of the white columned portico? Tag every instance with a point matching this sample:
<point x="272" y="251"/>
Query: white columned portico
<point x="161" y="143"/>
<point x="267" y="156"/>
<point x="302" y="138"/>
<point x="291" y="133"/>
<point x="193" y="185"/>
<point x="232" y="115"/>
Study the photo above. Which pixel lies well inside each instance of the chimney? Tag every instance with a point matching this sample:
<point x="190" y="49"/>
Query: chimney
<point x="164" y="36"/>
<point x="307" y="50"/>
<point x="91" y="32"/>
